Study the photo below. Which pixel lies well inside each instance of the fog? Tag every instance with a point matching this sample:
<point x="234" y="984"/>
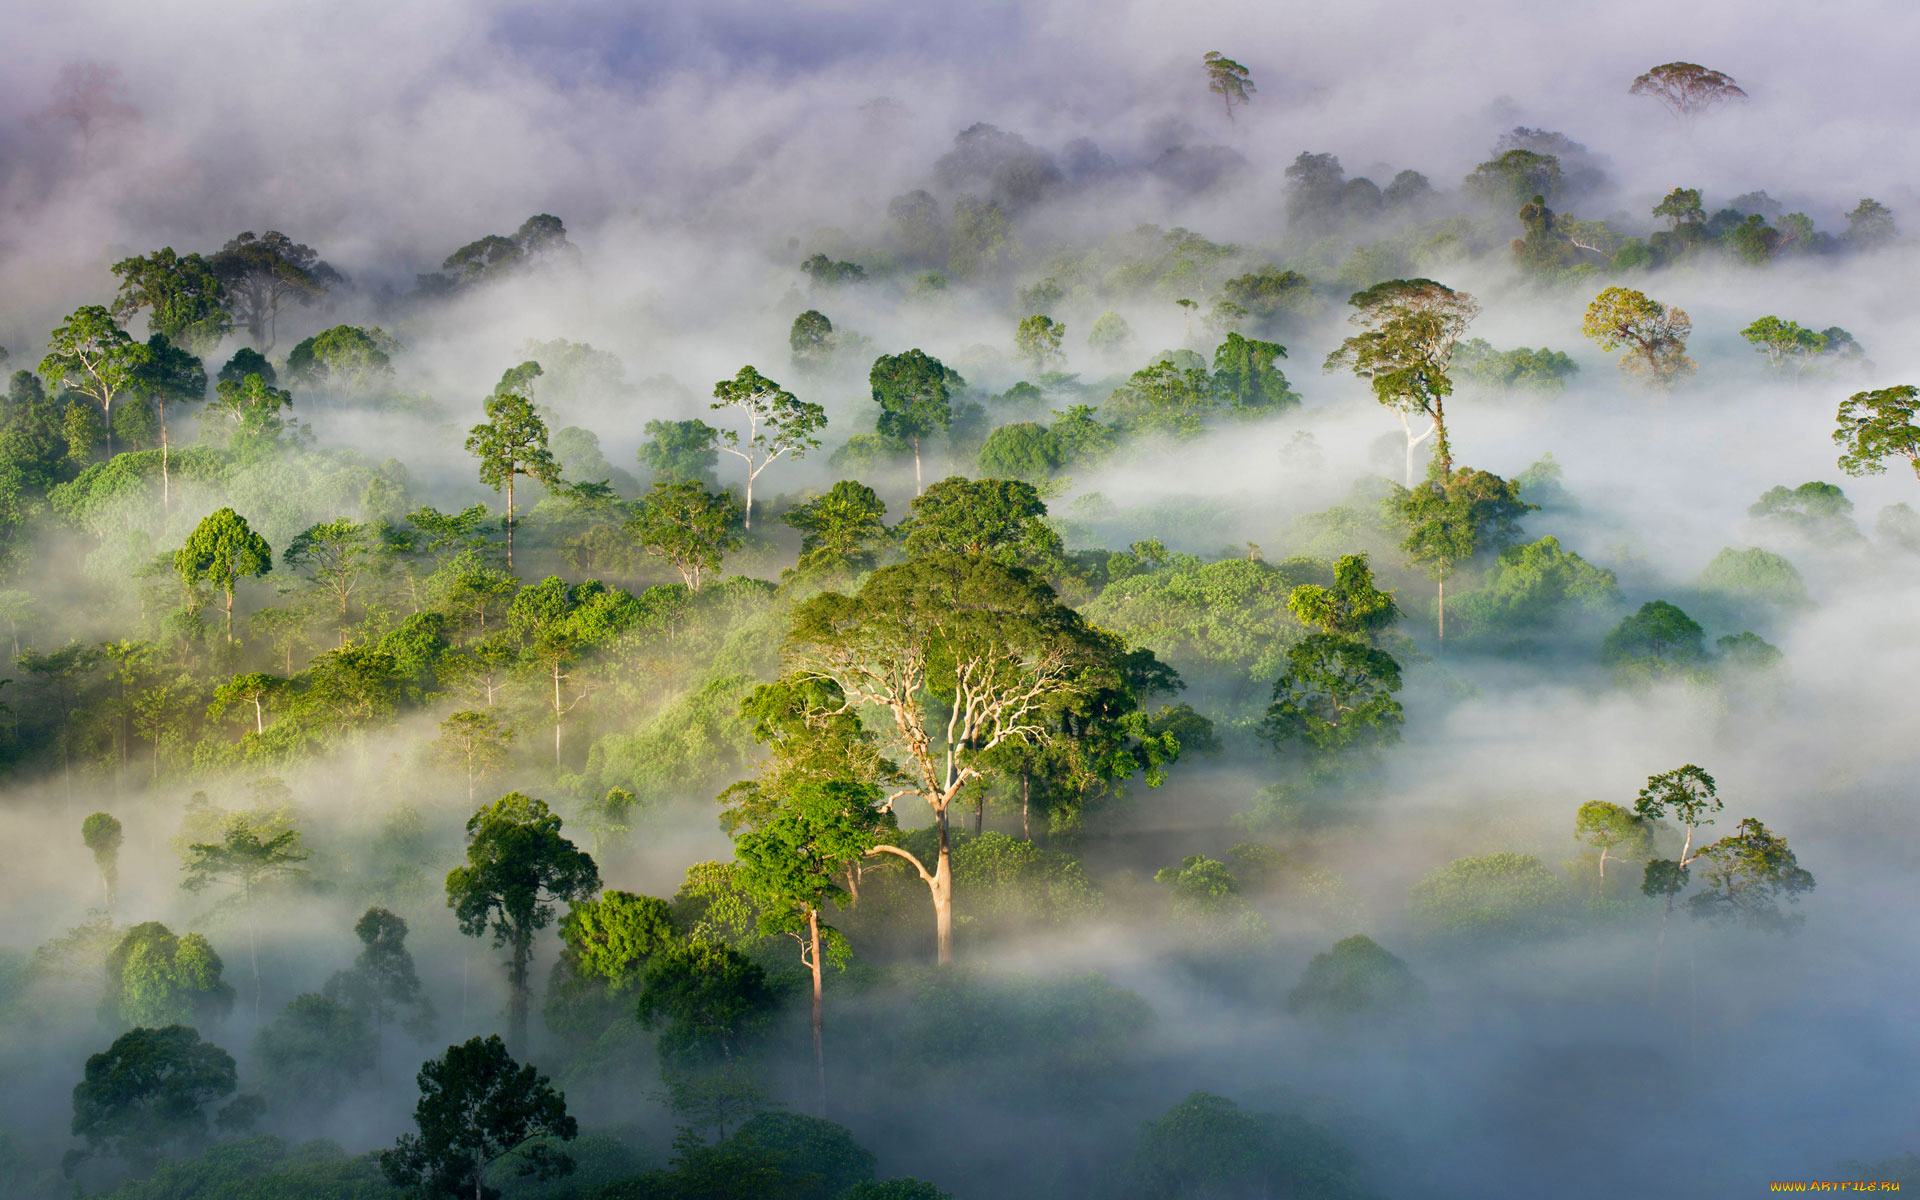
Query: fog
<point x="697" y="155"/>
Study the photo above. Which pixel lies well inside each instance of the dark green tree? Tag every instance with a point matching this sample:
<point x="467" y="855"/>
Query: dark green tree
<point x="1243" y="368"/>
<point x="517" y="867"/>
<point x="1747" y="875"/>
<point x="1451" y="518"/>
<point x="708" y="1001"/>
<point x="513" y="441"/>
<point x="222" y="550"/>
<point x="811" y="340"/>
<point x="477" y="1107"/>
<point x="262" y="272"/>
<point x="183" y="298"/>
<point x="915" y="399"/>
<point x="1336" y="696"/>
<point x="791" y="864"/>
<point x="155" y="978"/>
<point x="1356" y="980"/>
<point x="314" y="1052"/>
<point x="1207" y="1146"/>
<point x="150" y="1092"/>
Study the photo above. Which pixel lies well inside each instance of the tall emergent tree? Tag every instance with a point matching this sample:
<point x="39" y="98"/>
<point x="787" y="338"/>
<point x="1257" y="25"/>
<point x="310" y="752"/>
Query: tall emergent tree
<point x="1607" y="827"/>
<point x="1450" y="519"/>
<point x="791" y="864"/>
<point x="169" y="378"/>
<point x="778" y="422"/>
<point x="103" y="835"/>
<point x="1228" y="80"/>
<point x="478" y="1106"/>
<point x="1876" y="426"/>
<point x="244" y="859"/>
<point x="1654" y="334"/>
<point x="476" y="742"/>
<point x="261" y="272"/>
<point x="517" y="867"/>
<point x="183" y="297"/>
<point x="1408" y="329"/>
<point x="1686" y="89"/>
<point x="93" y="356"/>
<point x="914" y="398"/>
<point x="689" y="527"/>
<point x="513" y="441"/>
<point x="1038" y="339"/>
<point x="1690" y="796"/>
<point x="963" y="655"/>
<point x="222" y="550"/>
<point x="1747" y="875"/>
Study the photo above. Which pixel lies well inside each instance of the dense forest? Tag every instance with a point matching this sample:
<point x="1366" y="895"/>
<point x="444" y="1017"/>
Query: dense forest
<point x="933" y="656"/>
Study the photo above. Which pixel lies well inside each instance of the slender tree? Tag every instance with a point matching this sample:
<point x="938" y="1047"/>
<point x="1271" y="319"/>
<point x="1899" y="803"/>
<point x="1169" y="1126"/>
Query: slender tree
<point x="778" y="423"/>
<point x="382" y="981"/>
<point x="1689" y="796"/>
<point x="914" y="396"/>
<point x="1608" y="827"/>
<point x="689" y="527"/>
<point x="260" y="273"/>
<point x="1228" y="80"/>
<point x="476" y="742"/>
<point x="791" y="865"/>
<point x="518" y="866"/>
<point x="513" y="441"/>
<point x="1408" y="331"/>
<point x="93" y="356"/>
<point x="244" y="859"/>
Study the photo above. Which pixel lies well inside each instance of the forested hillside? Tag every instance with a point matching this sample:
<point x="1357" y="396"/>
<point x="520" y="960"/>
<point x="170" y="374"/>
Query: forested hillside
<point x="919" y="643"/>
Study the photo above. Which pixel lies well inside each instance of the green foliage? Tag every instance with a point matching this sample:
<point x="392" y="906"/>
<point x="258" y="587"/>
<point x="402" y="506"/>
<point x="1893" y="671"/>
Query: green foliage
<point x="689" y="528"/>
<point x="1005" y="883"/>
<point x="1352" y="607"/>
<point x="1654" y="335"/>
<point x="1243" y="368"/>
<point x="102" y="834"/>
<point x="478" y="1106"/>
<point x="1747" y="876"/>
<point x="155" y="978"/>
<point x="518" y="866"/>
<point x="819" y="1159"/>
<point x="1000" y="519"/>
<point x="149" y="1092"/>
<point x="1876" y="426"/>
<point x="826" y="273"/>
<point x="314" y="1052"/>
<point x="1335" y="697"/>
<point x="1541" y="370"/>
<point x="382" y="982"/>
<point x="681" y="452"/>
<point x="708" y="1002"/>
<point x="183" y="297"/>
<point x="1206" y="1146"/>
<point x="914" y="394"/>
<point x="1754" y="574"/>
<point x="1110" y="333"/>
<point x="605" y="945"/>
<point x="1532" y="587"/>
<point x="1404" y="350"/>
<point x="1494" y="896"/>
<point x="344" y="358"/>
<point x="842" y="530"/>
<point x="1356" y="980"/>
<point x="1818" y="512"/>
<point x="1026" y="451"/>
<point x="1507" y="182"/>
<point x="1658" y="641"/>
<point x="1038" y="339"/>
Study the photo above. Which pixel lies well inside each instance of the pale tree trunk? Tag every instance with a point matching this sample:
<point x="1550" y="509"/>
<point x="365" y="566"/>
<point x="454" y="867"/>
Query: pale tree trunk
<point x="259" y="718"/>
<point x="229" y="617"/>
<point x="166" y="480"/>
<point x="1412" y="442"/>
<point x="939" y="883"/>
<point x="819" y="1055"/>
<point x="1026" y="830"/>
<point x="917" y="488"/>
<point x="558" y="715"/>
<point x="509" y="522"/>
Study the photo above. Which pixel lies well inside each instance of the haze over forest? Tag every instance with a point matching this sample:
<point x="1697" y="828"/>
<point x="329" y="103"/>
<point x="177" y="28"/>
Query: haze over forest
<point x="856" y="603"/>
